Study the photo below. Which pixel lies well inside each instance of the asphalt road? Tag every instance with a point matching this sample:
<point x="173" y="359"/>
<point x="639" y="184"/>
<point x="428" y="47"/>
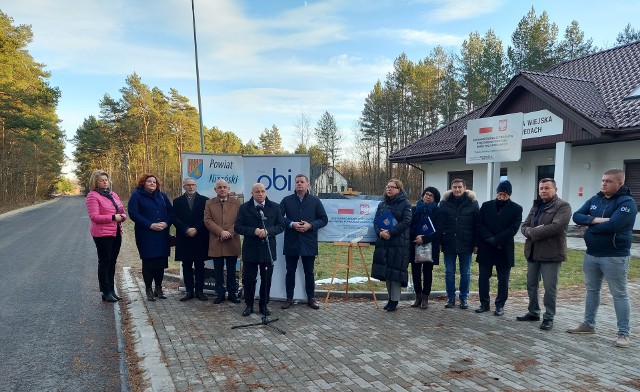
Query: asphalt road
<point x="55" y="332"/>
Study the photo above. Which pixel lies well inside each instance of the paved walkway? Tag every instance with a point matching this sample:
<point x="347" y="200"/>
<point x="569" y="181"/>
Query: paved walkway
<point x="352" y="346"/>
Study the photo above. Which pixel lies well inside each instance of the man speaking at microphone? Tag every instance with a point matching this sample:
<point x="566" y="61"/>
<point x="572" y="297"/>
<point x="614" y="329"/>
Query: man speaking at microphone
<point x="259" y="221"/>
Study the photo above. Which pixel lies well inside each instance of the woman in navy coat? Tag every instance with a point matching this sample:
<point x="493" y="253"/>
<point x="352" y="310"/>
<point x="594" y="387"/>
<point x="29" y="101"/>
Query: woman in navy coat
<point x="422" y="272"/>
<point x="151" y="210"/>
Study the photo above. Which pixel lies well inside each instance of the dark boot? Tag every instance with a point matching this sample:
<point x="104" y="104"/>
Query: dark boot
<point x="116" y="296"/>
<point x="159" y="293"/>
<point x="418" y="301"/>
<point x="150" y="296"/>
<point x="425" y="301"/>
<point x="109" y="297"/>
<point x="393" y="305"/>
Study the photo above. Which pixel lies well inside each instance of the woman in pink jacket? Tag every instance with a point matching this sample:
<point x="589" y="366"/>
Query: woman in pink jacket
<point x="107" y="214"/>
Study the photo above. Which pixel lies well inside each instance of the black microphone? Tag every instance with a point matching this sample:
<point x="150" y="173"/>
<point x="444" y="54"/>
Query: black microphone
<point x="260" y="208"/>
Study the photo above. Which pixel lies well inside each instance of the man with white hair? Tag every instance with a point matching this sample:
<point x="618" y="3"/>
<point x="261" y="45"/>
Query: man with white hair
<point x="192" y="238"/>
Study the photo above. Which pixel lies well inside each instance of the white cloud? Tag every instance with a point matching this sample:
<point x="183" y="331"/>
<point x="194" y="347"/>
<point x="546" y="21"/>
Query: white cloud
<point x="420" y="37"/>
<point x="450" y="10"/>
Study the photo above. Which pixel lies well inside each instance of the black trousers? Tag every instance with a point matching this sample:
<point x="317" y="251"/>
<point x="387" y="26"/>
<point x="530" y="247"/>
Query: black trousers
<point x="218" y="274"/>
<point x="153" y="271"/>
<point x="422" y="274"/>
<point x="108" y="249"/>
<point x="249" y="279"/>
<point x="309" y="278"/>
<point x="188" y="269"/>
<point x="485" y="271"/>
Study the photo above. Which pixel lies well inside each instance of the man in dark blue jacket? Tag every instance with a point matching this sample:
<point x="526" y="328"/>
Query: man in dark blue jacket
<point x="259" y="221"/>
<point x="304" y="215"/>
<point x="610" y="216"/>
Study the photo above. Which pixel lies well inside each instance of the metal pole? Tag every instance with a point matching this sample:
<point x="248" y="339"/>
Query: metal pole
<point x="195" y="45"/>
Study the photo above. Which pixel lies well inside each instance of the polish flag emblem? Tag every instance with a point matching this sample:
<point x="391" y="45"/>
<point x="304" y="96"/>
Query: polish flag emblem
<point x="486" y="130"/>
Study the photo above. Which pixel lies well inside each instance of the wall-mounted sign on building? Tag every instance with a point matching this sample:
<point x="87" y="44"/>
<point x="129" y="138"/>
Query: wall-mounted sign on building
<point x="495" y="139"/>
<point x="540" y="123"/>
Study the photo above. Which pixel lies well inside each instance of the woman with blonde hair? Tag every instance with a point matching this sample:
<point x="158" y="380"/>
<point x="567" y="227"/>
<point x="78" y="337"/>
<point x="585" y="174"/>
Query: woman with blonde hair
<point x="106" y="214"/>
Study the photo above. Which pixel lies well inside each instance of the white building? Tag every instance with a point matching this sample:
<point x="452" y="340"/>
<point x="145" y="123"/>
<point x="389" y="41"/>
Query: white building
<point x="598" y="99"/>
<point x="328" y="180"/>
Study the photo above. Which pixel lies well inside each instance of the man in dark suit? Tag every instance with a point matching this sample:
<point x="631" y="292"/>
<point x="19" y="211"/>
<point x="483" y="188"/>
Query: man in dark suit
<point x="304" y="215"/>
<point x="259" y="221"/>
<point x="498" y="222"/>
<point x="192" y="238"/>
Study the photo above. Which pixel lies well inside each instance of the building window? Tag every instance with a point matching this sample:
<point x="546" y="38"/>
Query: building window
<point x="632" y="178"/>
<point x="503" y="174"/>
<point x="546" y="171"/>
<point x="466" y="175"/>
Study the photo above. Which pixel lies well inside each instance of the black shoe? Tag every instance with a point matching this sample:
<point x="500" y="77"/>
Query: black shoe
<point x="116" y="296"/>
<point x="201" y="297"/>
<point x="393" y="305"/>
<point x="219" y="299"/>
<point x="546" y="324"/>
<point x="287" y="304"/>
<point x="233" y="298"/>
<point x="482" y="309"/>
<point x="464" y="304"/>
<point x="313" y="304"/>
<point x="109" y="298"/>
<point x="187" y="297"/>
<point x="159" y="293"/>
<point x="450" y="304"/>
<point x="387" y="305"/>
<point x="265" y="311"/>
<point x="247" y="311"/>
<point x="499" y="311"/>
<point x="150" y="296"/>
<point x="528" y="317"/>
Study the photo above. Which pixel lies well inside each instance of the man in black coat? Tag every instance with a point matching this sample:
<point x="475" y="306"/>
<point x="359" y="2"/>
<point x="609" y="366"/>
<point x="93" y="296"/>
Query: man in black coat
<point x="259" y="221"/>
<point x="498" y="222"/>
<point x="456" y="221"/>
<point x="192" y="238"/>
<point x="304" y="215"/>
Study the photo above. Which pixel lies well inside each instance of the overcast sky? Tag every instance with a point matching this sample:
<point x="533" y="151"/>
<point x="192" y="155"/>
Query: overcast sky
<point x="264" y="62"/>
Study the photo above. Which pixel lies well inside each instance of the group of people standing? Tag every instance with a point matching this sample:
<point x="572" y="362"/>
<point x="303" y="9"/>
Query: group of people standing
<point x="208" y="229"/>
<point x="463" y="228"/>
<point x="459" y="227"/>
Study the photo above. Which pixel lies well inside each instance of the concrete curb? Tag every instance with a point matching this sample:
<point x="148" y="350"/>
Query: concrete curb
<point x="154" y="368"/>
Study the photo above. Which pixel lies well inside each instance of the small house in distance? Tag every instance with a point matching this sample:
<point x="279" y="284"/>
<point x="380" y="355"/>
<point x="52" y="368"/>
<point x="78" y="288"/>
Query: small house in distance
<point x="327" y="179"/>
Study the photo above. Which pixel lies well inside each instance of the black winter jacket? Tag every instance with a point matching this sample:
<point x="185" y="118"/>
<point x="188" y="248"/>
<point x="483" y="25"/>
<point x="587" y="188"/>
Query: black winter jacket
<point x="416" y="218"/>
<point x="496" y="230"/>
<point x="457" y="221"/>
<point x="391" y="257"/>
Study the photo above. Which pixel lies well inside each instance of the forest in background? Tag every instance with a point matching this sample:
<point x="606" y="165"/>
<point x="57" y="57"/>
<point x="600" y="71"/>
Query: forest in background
<point x="146" y="129"/>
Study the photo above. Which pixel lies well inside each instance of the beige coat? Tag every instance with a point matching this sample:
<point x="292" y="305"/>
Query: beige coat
<point x="219" y="218"/>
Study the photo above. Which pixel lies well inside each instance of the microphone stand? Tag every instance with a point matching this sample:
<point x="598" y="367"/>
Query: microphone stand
<point x="265" y="319"/>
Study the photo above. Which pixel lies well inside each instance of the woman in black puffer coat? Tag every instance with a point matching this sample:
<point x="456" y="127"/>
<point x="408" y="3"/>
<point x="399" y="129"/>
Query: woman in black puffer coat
<point x="391" y="255"/>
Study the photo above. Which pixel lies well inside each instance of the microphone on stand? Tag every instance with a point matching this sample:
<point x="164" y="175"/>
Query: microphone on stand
<point x="260" y="208"/>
